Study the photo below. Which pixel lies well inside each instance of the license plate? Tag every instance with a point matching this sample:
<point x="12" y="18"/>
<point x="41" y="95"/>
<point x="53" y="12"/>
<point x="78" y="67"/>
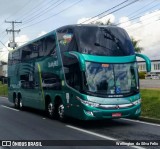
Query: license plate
<point x="116" y="114"/>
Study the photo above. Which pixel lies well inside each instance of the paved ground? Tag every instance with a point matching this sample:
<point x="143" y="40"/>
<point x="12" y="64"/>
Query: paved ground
<point x="34" y="125"/>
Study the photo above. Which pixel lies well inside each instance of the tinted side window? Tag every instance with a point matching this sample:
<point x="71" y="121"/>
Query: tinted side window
<point x="51" y="81"/>
<point x="107" y="41"/>
<point x="26" y="52"/>
<point x="25" y="82"/>
<point x="73" y="74"/>
<point x="67" y="40"/>
<point x="32" y="50"/>
<point x="42" y="47"/>
<point x="50" y="45"/>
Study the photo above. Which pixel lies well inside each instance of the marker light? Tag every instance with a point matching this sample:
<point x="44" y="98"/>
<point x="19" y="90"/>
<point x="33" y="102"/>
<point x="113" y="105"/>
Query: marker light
<point x="88" y="103"/>
<point x="137" y="101"/>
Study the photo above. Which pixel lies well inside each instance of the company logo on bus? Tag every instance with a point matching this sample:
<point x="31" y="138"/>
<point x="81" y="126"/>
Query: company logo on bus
<point x="52" y="64"/>
<point x="117" y="106"/>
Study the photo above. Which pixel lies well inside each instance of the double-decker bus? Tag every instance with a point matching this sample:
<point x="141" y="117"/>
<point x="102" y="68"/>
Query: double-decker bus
<point x="87" y="72"/>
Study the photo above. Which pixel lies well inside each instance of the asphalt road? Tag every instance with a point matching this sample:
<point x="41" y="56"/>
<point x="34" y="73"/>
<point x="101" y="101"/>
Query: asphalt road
<point x="34" y="125"/>
<point x="149" y="83"/>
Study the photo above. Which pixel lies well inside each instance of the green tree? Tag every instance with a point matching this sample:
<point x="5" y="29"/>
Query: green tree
<point x="136" y="46"/>
<point x="101" y="23"/>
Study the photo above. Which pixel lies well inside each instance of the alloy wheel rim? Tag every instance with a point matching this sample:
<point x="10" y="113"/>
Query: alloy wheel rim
<point x="61" y="111"/>
<point x="50" y="109"/>
<point x="16" y="102"/>
<point x="21" y="105"/>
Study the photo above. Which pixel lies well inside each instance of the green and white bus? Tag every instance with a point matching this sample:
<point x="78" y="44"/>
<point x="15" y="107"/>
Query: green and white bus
<point x="87" y="72"/>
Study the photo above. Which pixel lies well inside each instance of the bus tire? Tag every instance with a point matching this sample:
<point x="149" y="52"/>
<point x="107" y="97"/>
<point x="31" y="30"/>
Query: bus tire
<point x="50" y="109"/>
<point x="20" y="104"/>
<point x="61" y="114"/>
<point x="16" y="103"/>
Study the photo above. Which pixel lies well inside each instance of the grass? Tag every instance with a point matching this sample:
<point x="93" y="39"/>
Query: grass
<point x="150" y="103"/>
<point x="3" y="90"/>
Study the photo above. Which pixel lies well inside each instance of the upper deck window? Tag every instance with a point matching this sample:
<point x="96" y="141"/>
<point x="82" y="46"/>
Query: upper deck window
<point x="103" y="41"/>
<point x="66" y="39"/>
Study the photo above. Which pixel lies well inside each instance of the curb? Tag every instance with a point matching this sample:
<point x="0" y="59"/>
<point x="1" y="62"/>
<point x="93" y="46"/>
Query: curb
<point x="147" y="119"/>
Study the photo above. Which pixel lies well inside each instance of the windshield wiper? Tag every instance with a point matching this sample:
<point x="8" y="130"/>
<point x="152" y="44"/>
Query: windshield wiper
<point x="99" y="45"/>
<point x="113" y="38"/>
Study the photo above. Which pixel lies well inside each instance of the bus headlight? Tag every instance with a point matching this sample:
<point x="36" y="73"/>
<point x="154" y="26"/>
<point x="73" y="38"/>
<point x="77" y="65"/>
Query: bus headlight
<point x="137" y="102"/>
<point x="88" y="103"/>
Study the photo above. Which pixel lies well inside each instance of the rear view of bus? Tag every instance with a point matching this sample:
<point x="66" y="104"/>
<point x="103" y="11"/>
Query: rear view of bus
<point x="100" y="71"/>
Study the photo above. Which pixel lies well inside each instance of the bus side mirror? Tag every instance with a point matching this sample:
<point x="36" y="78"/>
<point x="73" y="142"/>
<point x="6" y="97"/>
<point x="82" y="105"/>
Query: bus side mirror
<point x="147" y="60"/>
<point x="79" y="57"/>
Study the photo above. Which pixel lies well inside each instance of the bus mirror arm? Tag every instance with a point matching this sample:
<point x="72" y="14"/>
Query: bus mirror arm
<point x="147" y="60"/>
<point x="79" y="57"/>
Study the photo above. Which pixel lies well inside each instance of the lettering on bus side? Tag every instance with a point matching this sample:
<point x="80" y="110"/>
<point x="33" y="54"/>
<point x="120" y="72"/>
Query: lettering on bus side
<point x="52" y="64"/>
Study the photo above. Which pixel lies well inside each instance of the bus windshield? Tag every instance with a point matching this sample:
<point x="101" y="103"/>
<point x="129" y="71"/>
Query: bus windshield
<point x="103" y="41"/>
<point x="111" y="79"/>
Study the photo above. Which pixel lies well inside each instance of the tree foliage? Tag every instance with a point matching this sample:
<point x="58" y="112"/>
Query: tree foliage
<point x="101" y="23"/>
<point x="136" y="46"/>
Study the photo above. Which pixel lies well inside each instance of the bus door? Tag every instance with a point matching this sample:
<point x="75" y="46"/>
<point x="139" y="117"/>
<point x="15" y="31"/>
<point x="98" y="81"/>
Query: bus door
<point x="73" y="80"/>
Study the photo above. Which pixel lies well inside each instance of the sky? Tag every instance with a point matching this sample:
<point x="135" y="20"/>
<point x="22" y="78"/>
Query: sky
<point x="141" y="19"/>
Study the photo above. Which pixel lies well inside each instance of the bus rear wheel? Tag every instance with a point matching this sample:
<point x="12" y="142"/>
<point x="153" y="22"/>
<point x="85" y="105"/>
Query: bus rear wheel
<point x="51" y="110"/>
<point x="20" y="104"/>
<point x="61" y="114"/>
<point x="16" y="103"/>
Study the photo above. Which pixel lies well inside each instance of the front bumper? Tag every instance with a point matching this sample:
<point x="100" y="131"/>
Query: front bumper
<point x="90" y="113"/>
